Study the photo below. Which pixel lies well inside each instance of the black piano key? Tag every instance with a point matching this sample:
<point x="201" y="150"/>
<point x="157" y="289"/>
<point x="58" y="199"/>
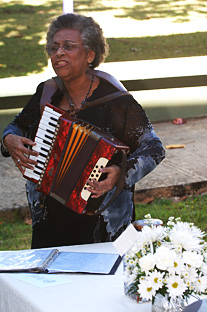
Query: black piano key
<point x="44" y="149"/>
<point x="54" y="118"/>
<point x="40" y="162"/>
<point x="50" y="131"/>
<point x="37" y="172"/>
<point x="46" y="142"/>
<point x="52" y="124"/>
<point x="47" y="136"/>
<point x="43" y="155"/>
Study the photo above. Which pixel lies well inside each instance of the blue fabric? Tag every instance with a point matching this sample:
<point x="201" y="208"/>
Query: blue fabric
<point x="34" y="201"/>
<point x="11" y="129"/>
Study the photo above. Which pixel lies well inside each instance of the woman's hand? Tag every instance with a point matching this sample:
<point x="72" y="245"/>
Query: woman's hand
<point x="100" y="188"/>
<point x="20" y="153"/>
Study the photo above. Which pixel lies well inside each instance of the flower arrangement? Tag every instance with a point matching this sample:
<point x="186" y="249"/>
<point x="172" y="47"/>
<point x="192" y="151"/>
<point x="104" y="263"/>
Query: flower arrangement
<point x="167" y="260"/>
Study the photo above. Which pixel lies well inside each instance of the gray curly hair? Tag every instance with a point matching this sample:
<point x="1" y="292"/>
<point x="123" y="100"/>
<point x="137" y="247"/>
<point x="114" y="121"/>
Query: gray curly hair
<point x="91" y="34"/>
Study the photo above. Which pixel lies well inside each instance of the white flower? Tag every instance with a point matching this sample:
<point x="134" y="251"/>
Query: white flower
<point x="146" y="290"/>
<point x="188" y="236"/>
<point x="132" y="262"/>
<point x="151" y="234"/>
<point x="189" y="274"/>
<point x="176" y="286"/>
<point x="185" y="238"/>
<point x="136" y="247"/>
<point x="164" y="258"/>
<point x="147" y="216"/>
<point x="147" y="262"/>
<point x="193" y="258"/>
<point x="178" y="265"/>
<point x="156" y="278"/>
<point x="170" y="259"/>
<point x="171" y="218"/>
<point x="135" y="270"/>
<point x="201" y="284"/>
<point x="204" y="268"/>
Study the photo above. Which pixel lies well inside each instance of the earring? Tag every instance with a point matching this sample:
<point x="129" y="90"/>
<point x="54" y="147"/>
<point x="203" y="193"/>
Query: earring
<point x="90" y="66"/>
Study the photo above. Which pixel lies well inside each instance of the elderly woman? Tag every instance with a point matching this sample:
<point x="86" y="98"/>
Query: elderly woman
<point x="75" y="44"/>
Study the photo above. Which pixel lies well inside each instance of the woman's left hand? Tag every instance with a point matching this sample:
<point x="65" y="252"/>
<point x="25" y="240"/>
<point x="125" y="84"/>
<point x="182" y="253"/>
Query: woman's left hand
<point x="100" y="188"/>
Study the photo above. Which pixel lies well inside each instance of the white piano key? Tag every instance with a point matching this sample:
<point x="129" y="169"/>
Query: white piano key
<point x="30" y="174"/>
<point x="37" y="170"/>
<point x="48" y="121"/>
<point x="44" y="147"/>
<point x="44" y="124"/>
<point x="43" y="141"/>
<point x="40" y="166"/>
<point x="50" y="116"/>
<point x="50" y="110"/>
<point x="40" y="150"/>
<point x="39" y="159"/>
<point x="44" y="135"/>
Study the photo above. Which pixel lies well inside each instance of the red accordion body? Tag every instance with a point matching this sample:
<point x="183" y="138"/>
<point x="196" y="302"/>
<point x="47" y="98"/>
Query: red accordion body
<point x="76" y="153"/>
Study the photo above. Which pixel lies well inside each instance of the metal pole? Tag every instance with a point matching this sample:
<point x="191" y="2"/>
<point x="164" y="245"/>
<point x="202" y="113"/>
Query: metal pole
<point x="67" y="6"/>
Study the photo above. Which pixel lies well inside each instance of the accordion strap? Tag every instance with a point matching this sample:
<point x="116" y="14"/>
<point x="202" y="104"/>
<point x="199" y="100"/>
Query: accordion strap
<point x="51" y="86"/>
<point x="107" y="98"/>
<point x="115" y="82"/>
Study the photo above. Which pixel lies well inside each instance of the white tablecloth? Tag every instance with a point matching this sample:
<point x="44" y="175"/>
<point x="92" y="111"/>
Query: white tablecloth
<point x="85" y="292"/>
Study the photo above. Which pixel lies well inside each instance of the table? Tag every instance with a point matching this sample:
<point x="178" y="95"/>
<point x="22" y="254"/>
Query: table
<point x="85" y="292"/>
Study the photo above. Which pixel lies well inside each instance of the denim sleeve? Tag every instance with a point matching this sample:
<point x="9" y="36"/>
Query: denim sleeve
<point x="145" y="158"/>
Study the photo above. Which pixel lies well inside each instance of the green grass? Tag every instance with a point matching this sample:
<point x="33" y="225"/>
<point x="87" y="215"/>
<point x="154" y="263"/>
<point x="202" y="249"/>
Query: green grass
<point x="23" y="28"/>
<point x="181" y="45"/>
<point x="16" y="234"/>
<point x="193" y="209"/>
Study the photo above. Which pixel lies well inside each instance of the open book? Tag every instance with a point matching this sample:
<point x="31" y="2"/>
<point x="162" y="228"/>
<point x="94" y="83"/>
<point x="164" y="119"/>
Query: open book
<point x="54" y="261"/>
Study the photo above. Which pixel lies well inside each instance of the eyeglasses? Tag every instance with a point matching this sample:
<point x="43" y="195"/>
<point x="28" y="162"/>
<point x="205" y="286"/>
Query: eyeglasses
<point x="67" y="46"/>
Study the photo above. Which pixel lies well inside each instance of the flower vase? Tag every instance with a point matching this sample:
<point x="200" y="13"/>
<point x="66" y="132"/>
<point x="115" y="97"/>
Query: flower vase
<point x="166" y="304"/>
<point x="133" y="296"/>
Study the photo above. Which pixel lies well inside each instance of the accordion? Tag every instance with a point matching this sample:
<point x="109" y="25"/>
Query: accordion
<point x="71" y="151"/>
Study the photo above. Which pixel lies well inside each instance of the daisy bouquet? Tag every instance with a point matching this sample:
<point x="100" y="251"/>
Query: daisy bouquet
<point x="167" y="260"/>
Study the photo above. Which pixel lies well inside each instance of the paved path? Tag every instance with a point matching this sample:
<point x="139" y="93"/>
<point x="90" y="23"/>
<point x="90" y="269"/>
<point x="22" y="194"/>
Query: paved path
<point x="181" y="169"/>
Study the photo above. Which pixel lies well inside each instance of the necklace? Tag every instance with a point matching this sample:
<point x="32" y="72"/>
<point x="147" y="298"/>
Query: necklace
<point x="72" y="106"/>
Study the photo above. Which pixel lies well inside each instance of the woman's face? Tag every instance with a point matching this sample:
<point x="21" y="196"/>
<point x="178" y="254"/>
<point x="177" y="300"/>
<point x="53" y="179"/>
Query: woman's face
<point x="69" y="63"/>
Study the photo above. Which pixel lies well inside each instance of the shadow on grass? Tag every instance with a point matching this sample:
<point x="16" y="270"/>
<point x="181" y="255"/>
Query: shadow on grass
<point x="147" y="9"/>
<point x="23" y="28"/>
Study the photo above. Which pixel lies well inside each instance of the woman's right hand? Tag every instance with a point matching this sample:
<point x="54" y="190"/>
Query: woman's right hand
<point x="19" y="153"/>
